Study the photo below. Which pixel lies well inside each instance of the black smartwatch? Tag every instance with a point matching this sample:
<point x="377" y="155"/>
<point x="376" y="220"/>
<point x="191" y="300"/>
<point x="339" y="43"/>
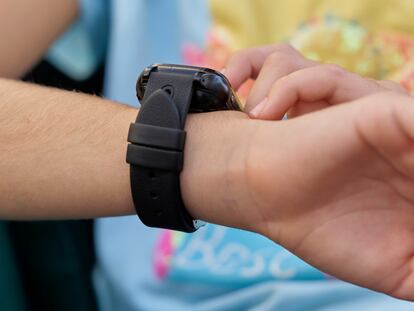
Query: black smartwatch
<point x="157" y="138"/>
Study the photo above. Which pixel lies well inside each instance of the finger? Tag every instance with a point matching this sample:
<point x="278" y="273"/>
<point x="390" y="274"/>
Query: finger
<point x="393" y="86"/>
<point x="280" y="63"/>
<point x="246" y="64"/>
<point x="324" y="83"/>
<point x="302" y="108"/>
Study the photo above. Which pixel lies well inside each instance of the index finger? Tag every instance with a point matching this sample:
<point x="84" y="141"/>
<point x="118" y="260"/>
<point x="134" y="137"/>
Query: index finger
<point x="246" y="64"/>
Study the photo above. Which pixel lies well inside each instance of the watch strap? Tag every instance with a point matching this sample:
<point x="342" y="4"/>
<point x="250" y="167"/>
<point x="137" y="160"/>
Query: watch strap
<point x="155" y="152"/>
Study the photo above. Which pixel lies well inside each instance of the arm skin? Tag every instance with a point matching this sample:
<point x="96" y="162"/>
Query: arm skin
<point x="335" y="186"/>
<point x="62" y="154"/>
<point x="27" y="28"/>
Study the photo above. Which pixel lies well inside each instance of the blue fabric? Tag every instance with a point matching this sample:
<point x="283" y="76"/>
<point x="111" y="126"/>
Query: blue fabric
<point x="215" y="268"/>
<point x="82" y="48"/>
<point x="220" y="256"/>
<point x="146" y="32"/>
<point x="125" y="277"/>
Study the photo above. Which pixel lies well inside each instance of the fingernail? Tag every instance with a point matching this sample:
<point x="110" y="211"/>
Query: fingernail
<point x="256" y="111"/>
<point x="223" y="71"/>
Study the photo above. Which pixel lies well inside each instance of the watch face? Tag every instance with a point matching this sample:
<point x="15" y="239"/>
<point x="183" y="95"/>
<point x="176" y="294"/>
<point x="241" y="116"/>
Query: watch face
<point x="212" y="91"/>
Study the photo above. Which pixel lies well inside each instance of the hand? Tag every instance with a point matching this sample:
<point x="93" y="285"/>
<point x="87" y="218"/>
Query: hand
<point x="288" y="82"/>
<point x="345" y="177"/>
<point x="335" y="187"/>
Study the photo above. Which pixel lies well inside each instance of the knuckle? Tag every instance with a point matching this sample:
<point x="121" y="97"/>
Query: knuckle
<point x="239" y="56"/>
<point x="279" y="58"/>
<point x="273" y="58"/>
<point x="334" y="71"/>
<point x="285" y="48"/>
<point x="283" y="55"/>
<point x="236" y="56"/>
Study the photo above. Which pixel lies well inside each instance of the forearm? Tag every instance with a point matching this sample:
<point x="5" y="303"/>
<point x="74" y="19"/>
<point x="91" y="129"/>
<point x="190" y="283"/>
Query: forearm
<point x="62" y="155"/>
<point x="27" y="28"/>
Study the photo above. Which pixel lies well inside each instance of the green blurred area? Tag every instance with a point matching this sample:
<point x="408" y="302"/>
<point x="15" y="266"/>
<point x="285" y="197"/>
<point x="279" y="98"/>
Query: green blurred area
<point x="12" y="296"/>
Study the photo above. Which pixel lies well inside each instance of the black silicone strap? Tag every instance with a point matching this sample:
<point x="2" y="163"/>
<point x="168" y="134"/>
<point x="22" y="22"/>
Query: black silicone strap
<point x="155" y="136"/>
<point x="156" y="152"/>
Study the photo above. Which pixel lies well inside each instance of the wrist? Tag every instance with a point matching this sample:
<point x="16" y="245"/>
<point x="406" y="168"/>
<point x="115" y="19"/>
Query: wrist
<point x="213" y="181"/>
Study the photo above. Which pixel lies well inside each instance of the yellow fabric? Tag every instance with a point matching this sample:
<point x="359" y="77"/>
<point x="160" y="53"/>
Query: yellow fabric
<point x="253" y="22"/>
<point x="374" y="38"/>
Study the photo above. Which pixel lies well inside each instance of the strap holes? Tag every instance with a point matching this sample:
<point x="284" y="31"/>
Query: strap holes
<point x="152" y="175"/>
<point x="169" y="90"/>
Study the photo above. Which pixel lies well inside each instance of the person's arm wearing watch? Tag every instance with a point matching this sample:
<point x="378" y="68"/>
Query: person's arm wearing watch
<point x="62" y="155"/>
<point x="333" y="187"/>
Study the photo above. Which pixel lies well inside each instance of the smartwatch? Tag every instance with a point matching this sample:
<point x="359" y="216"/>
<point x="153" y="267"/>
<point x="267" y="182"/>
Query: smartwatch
<point x="157" y="138"/>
